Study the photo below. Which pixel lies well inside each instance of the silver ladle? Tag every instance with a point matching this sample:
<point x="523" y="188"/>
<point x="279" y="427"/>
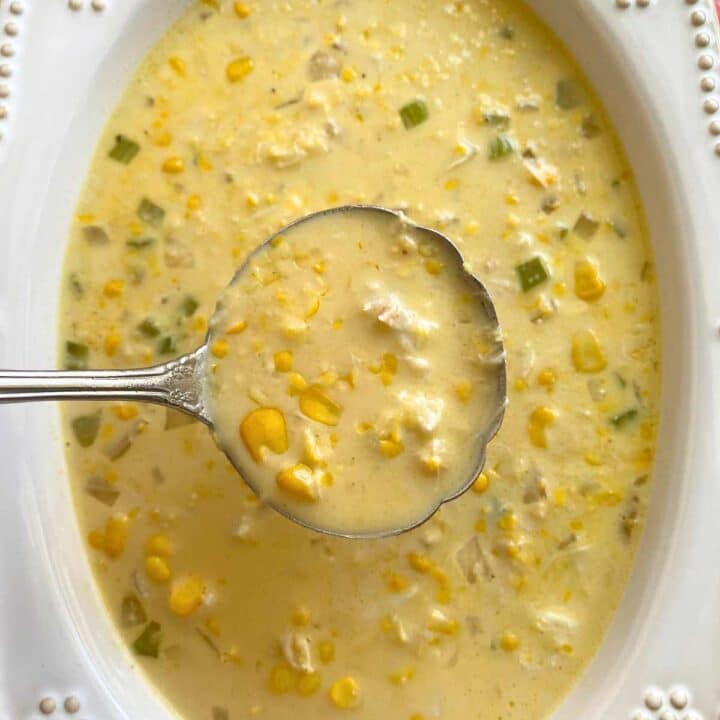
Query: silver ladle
<point x="180" y="384"/>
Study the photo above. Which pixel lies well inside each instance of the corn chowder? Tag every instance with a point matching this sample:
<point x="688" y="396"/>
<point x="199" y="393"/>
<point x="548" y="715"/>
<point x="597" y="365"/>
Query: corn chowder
<point x="321" y="353"/>
<point x="470" y="116"/>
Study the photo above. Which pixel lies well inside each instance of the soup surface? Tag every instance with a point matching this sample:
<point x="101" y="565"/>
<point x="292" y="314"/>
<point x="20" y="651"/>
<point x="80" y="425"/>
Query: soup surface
<point x="470" y="116"/>
<point x="354" y="374"/>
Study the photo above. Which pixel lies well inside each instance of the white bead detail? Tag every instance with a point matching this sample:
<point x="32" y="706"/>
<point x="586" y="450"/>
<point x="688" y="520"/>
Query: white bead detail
<point x="707" y="84"/>
<point x="690" y="2"/>
<point x="640" y="715"/>
<point x="7" y="50"/>
<point x="4" y="91"/>
<point x="47" y="706"/>
<point x="717" y="149"/>
<point x="653" y="699"/>
<point x="715" y="127"/>
<point x="5" y="71"/>
<point x="11" y="29"/>
<point x="75" y="4"/>
<point x="669" y="715"/>
<point x="623" y="4"/>
<point x="706" y="62"/>
<point x="3" y="112"/>
<point x="711" y="106"/>
<point x="71" y="705"/>
<point x="702" y="39"/>
<point x="16" y="8"/>
<point x="698" y="18"/>
<point x="679" y="698"/>
<point x="98" y="5"/>
<point x="643" y="3"/>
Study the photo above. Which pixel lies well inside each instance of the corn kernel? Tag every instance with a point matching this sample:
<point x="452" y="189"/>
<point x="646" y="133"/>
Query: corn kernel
<point x="440" y="623"/>
<point x="463" y="390"/>
<point x="239" y="69"/>
<point x="186" y="596"/>
<point x="301" y="617"/>
<point x="125" y="411"/>
<point x="297" y="383"/>
<point x="540" y="419"/>
<point x="546" y="378"/>
<point x="319" y="407"/>
<point x="313" y="308"/>
<point x="111" y="343"/>
<point x="509" y="641"/>
<point x="390" y="448"/>
<point x="402" y="677"/>
<point x="263" y="429"/>
<point x="194" y="202"/>
<point x="589" y="285"/>
<point x="452" y="184"/>
<point x="345" y="693"/>
<point x="237" y="328"/>
<point x="298" y="481"/>
<point x="178" y="65"/>
<point x="320" y="267"/>
<point x="161" y="137"/>
<point x="158" y="545"/>
<point x="348" y="74"/>
<point x="418" y="561"/>
<point x="114" y="288"/>
<point x="242" y="10"/>
<point x="521" y="384"/>
<point x="220" y="348"/>
<point x="173" y="165"/>
<point x="433" y="267"/>
<point x="96" y="539"/>
<point x="326" y="651"/>
<point x="481" y="484"/>
<point x="560" y="497"/>
<point x="157" y="568"/>
<point x="395" y="581"/>
<point x="308" y="684"/>
<point x="588" y="355"/>
<point x="282" y="679"/>
<point x="507" y="522"/>
<point x="283" y="361"/>
<point x="116" y="533"/>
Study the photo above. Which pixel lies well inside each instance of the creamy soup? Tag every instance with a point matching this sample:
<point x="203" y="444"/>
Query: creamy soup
<point x="354" y="374"/>
<point x="471" y="117"/>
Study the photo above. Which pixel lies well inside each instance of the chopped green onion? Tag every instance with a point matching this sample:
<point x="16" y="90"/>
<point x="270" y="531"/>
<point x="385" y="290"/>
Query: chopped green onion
<point x="95" y="235"/>
<point x="167" y="345"/>
<point x="150" y="213"/>
<point x="413" y="114"/>
<point x="550" y="204"/>
<point x="620" y="227"/>
<point x="148" y="641"/>
<point x="76" y="285"/>
<point x="189" y="305"/>
<point x="140" y="243"/>
<point x="132" y="612"/>
<point x="507" y="32"/>
<point x="590" y="127"/>
<point x="496" y="118"/>
<point x="102" y="491"/>
<point x="124" y="150"/>
<point x="532" y="273"/>
<point x="563" y="231"/>
<point x="502" y="146"/>
<point x="76" y="355"/>
<point x="621" y="380"/>
<point x="568" y="95"/>
<point x="620" y="420"/>
<point x="586" y="225"/>
<point x="148" y="328"/>
<point x="85" y="428"/>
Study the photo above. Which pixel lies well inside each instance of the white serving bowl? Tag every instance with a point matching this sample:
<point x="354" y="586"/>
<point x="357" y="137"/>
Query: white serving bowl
<point x="655" y="65"/>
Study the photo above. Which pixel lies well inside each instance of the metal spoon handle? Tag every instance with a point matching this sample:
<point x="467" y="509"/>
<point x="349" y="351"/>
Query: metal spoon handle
<point x="177" y="384"/>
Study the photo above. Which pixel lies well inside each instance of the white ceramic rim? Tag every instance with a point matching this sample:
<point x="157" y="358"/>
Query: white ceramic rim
<point x="55" y="637"/>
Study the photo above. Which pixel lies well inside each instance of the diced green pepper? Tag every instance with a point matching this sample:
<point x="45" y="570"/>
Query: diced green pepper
<point x="102" y="491"/>
<point x="95" y="235"/>
<point x="622" y="419"/>
<point x="586" y="225"/>
<point x="140" y="243"/>
<point x="502" y="146"/>
<point x="124" y="150"/>
<point x="167" y="345"/>
<point x="85" y="428"/>
<point x="568" y="95"/>
<point x="76" y="355"/>
<point x="220" y="713"/>
<point x="189" y="305"/>
<point x="414" y="113"/>
<point x="532" y="273"/>
<point x="76" y="285"/>
<point x="150" y="213"/>
<point x="507" y="32"/>
<point x="148" y="328"/>
<point x="590" y="127"/>
<point x="147" y="642"/>
<point x="496" y="118"/>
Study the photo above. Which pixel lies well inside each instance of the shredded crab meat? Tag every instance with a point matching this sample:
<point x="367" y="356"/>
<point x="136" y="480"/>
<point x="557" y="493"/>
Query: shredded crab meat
<point x="391" y="311"/>
<point x="423" y="412"/>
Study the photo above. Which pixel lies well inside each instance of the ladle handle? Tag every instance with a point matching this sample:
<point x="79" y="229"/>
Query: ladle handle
<point x="177" y="384"/>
